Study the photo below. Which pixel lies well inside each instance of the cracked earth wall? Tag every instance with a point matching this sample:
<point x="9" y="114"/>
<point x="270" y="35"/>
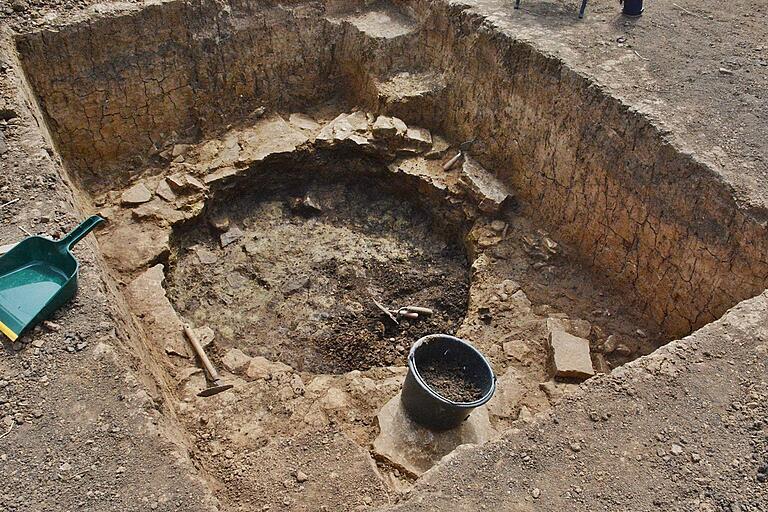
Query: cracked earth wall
<point x="116" y="90"/>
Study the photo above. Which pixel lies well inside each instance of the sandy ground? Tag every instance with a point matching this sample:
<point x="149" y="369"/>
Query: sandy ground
<point x="683" y="429"/>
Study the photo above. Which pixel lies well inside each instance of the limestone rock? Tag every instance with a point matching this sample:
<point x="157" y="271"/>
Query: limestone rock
<point x="133" y="246"/>
<point x="509" y="392"/>
<point x="418" y="138"/>
<point x="148" y="301"/>
<point x="337" y="130"/>
<point x="416" y="449"/>
<point x="303" y="122"/>
<point x="580" y="328"/>
<point x="358" y="121"/>
<point x="158" y="210"/>
<point x="269" y="136"/>
<point x="137" y="194"/>
<point x="184" y="182"/>
<point x="388" y="127"/>
<point x="164" y="191"/>
<point x="233" y="234"/>
<point x="205" y="335"/>
<point x="570" y="355"/>
<point x="489" y="192"/>
<point x="235" y="360"/>
<point x="261" y="368"/>
<point x="439" y="147"/>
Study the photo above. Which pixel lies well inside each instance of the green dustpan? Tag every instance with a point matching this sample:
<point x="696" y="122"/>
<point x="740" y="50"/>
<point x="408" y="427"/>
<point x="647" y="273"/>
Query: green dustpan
<point x="37" y="277"/>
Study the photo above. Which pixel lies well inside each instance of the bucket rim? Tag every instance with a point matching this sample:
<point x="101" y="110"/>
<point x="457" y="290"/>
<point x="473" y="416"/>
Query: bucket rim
<point x="416" y="375"/>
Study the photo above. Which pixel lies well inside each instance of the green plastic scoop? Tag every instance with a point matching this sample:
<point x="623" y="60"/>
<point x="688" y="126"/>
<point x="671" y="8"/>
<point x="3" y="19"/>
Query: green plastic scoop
<point x="37" y="277"/>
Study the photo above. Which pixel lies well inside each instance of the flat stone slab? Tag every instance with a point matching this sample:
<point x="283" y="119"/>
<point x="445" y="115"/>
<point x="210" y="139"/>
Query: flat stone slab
<point x="570" y="355"/>
<point x="415" y="448"/>
<point x="148" y="300"/>
<point x="483" y="186"/>
<point x="137" y="194"/>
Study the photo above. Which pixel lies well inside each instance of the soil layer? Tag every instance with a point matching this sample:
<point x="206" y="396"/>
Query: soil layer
<point x="301" y="289"/>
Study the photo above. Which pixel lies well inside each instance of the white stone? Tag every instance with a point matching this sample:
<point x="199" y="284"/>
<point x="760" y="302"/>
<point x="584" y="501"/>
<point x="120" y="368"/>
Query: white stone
<point x="416" y="449"/>
<point x="235" y="360"/>
<point x="570" y="355"/>
<point x="137" y="194"/>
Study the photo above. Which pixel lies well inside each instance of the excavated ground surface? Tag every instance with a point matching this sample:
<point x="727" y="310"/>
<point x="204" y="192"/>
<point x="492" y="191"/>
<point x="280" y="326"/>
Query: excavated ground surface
<point x="299" y="288"/>
<point x="93" y="421"/>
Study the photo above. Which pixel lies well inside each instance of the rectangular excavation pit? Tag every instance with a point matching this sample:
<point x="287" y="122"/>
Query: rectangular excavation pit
<point x="125" y="94"/>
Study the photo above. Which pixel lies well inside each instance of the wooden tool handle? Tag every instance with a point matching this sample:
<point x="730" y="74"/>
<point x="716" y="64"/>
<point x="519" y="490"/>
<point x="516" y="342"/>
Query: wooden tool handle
<point x="450" y="163"/>
<point x="419" y="310"/>
<point x="212" y="373"/>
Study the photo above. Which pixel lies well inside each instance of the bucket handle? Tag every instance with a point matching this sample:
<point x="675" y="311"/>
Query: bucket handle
<point x="79" y="232"/>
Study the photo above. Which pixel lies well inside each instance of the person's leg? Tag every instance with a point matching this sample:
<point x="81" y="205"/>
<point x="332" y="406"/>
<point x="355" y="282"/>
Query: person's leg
<point x="517" y="4"/>
<point x="583" y="8"/>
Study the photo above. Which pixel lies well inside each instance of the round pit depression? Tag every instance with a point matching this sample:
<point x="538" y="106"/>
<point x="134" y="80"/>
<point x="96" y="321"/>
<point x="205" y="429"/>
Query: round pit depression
<point x="292" y="271"/>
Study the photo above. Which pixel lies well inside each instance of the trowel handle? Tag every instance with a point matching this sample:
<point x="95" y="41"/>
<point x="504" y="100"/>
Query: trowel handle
<point x="419" y="310"/>
<point x="450" y="163"/>
<point x="212" y="373"/>
<point x="80" y="231"/>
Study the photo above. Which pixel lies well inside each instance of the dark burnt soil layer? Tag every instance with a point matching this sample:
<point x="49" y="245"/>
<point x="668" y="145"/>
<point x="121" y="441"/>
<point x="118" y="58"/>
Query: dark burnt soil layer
<point x="300" y="288"/>
<point x="451" y="380"/>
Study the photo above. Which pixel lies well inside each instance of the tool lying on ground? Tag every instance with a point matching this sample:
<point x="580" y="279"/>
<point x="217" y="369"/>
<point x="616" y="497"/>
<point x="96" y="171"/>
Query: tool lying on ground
<point x="463" y="148"/>
<point x="217" y="386"/>
<point x="37" y="276"/>
<point x="409" y="312"/>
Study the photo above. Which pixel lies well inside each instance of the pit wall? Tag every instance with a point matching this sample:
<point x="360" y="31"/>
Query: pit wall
<point x="653" y="220"/>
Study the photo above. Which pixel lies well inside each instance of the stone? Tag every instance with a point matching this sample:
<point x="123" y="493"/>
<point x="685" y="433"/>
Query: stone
<point x="580" y="328"/>
<point x="261" y="368"/>
<point x="133" y="246"/>
<point x="306" y="206"/>
<point x="485" y="188"/>
<point x="294" y="285"/>
<point x="220" y="223"/>
<point x="358" y="121"/>
<point x="509" y="392"/>
<point x="148" y="300"/>
<point x="180" y="150"/>
<point x="338" y="130"/>
<point x="303" y="122"/>
<point x="418" y="138"/>
<point x="164" y="191"/>
<point x="235" y="360"/>
<point x="270" y="136"/>
<point x="205" y="256"/>
<point x="232" y="235"/>
<point x="158" y="210"/>
<point x="387" y="127"/>
<point x="570" y="355"/>
<point x="205" y="335"/>
<point x="137" y="194"/>
<point x="185" y="182"/>
<point x="676" y="449"/>
<point x="301" y="476"/>
<point x="3" y="144"/>
<point x="416" y="449"/>
<point x="439" y="147"/>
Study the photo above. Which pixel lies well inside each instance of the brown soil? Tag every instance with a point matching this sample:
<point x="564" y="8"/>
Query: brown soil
<point x="89" y="413"/>
<point x="301" y="289"/>
<point x="451" y="381"/>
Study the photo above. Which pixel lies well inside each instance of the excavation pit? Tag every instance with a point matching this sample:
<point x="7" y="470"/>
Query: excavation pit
<point x="268" y="170"/>
<point x="299" y="287"/>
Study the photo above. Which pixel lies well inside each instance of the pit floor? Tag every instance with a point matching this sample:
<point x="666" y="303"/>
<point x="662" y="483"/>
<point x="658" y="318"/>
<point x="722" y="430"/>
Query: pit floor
<point x="293" y="286"/>
<point x="86" y="429"/>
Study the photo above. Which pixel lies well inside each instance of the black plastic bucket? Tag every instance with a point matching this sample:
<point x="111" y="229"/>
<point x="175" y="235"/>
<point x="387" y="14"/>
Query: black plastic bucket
<point x="633" y="7"/>
<point x="427" y="407"/>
